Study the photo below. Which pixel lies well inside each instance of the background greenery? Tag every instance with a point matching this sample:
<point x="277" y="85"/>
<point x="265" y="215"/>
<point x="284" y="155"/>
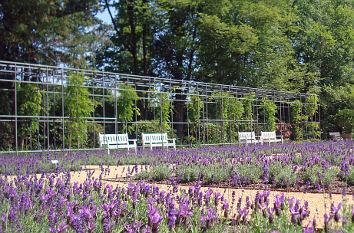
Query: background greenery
<point x="305" y="46"/>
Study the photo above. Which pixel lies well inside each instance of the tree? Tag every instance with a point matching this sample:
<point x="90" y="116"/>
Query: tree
<point x="47" y="31"/>
<point x="325" y="43"/>
<point x="130" y="50"/>
<point x="247" y="43"/>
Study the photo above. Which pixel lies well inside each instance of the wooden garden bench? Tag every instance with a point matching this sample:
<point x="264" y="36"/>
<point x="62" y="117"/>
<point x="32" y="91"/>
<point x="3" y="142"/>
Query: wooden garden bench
<point x="157" y="140"/>
<point x="117" y="141"/>
<point x="270" y="137"/>
<point x="247" y="137"/>
<point x="335" y="136"/>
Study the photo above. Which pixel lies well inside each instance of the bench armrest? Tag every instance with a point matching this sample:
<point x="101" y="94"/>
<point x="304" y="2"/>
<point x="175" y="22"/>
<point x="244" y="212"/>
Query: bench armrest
<point x="171" y="139"/>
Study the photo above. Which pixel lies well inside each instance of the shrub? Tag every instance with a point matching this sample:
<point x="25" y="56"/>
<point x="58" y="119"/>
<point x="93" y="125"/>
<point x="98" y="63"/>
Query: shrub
<point x="350" y="176"/>
<point x="158" y="173"/>
<point x="161" y="172"/>
<point x="248" y="173"/>
<point x="329" y="175"/>
<point x="216" y="173"/>
<point x="282" y="175"/>
<point x="311" y="174"/>
<point x="188" y="173"/>
<point x="317" y="175"/>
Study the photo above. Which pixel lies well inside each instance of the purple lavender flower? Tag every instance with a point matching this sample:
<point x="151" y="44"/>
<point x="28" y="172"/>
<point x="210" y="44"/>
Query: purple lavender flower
<point x="335" y="211"/>
<point x="171" y="216"/>
<point x="146" y="229"/>
<point x="326" y="219"/>
<point x="154" y="217"/>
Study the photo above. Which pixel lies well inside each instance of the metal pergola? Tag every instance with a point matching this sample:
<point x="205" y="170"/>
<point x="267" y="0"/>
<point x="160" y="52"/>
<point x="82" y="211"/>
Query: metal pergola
<point x="103" y="86"/>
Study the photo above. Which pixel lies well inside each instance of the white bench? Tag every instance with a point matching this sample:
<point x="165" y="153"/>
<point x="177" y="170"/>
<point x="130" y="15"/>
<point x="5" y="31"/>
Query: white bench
<point x="117" y="141"/>
<point x="157" y="140"/>
<point x="270" y="137"/>
<point x="247" y="137"/>
<point x="335" y="136"/>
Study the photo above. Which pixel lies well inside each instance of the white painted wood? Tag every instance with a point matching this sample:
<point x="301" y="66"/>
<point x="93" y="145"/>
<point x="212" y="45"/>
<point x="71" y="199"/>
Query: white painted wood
<point x="270" y="137"/>
<point x="247" y="137"/>
<point x="117" y="141"/>
<point x="335" y="136"/>
<point x="157" y="140"/>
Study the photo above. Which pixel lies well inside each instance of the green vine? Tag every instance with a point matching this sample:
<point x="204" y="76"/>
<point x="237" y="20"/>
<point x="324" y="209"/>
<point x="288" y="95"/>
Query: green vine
<point x="228" y="108"/>
<point x="248" y="111"/>
<point x="194" y="107"/>
<point x="126" y="103"/>
<point x="269" y="110"/>
<point x="162" y="105"/>
<point x="78" y="106"/>
<point x="30" y="104"/>
<point x="297" y="119"/>
<point x="311" y="107"/>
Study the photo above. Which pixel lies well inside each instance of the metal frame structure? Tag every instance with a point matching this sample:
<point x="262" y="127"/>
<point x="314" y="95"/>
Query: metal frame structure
<point x="103" y="85"/>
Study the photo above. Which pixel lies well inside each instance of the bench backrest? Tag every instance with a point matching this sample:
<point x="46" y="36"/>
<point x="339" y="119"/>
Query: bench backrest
<point x="334" y="134"/>
<point x="246" y="136"/>
<point x="151" y="138"/>
<point x="268" y="135"/>
<point x="113" y="139"/>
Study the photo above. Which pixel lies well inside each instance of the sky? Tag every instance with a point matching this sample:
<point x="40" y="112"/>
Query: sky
<point x="104" y="16"/>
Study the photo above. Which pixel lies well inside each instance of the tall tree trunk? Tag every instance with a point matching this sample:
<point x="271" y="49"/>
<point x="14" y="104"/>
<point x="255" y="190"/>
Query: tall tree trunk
<point x="133" y="42"/>
<point x="145" y="72"/>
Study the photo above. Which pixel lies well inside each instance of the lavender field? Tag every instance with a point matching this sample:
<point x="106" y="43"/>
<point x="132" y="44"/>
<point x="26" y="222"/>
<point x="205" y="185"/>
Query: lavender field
<point x="182" y="190"/>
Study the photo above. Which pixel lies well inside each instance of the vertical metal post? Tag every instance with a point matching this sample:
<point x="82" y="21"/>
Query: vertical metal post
<point x="47" y="110"/>
<point x="207" y="115"/>
<point x="222" y="117"/>
<point x="15" y="83"/>
<point x="103" y="104"/>
<point x="116" y="89"/>
<point x="62" y="109"/>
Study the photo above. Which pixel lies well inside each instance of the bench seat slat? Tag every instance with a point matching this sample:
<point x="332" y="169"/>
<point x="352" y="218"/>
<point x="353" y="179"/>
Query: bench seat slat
<point x="157" y="140"/>
<point x="270" y="137"/>
<point x="117" y="141"/>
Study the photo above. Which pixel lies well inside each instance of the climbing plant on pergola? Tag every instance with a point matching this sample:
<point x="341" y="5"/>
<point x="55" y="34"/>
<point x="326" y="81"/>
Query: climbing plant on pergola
<point x="194" y="112"/>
